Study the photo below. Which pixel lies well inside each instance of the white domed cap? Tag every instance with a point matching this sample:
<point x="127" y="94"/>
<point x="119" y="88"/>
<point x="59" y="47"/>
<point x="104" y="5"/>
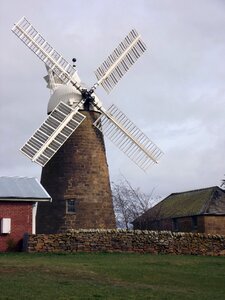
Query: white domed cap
<point x="67" y="94"/>
<point x="63" y="93"/>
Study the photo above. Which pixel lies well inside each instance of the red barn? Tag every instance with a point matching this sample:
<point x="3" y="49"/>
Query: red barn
<point x="19" y="197"/>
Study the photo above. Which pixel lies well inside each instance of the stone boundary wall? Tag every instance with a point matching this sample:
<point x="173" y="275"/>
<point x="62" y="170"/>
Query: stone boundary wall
<point x="163" y="242"/>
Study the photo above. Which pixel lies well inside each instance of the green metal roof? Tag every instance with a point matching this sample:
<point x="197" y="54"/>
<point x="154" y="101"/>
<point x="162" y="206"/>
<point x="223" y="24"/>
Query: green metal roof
<point x="197" y="202"/>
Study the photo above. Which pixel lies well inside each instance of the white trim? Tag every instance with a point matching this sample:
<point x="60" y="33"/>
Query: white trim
<point x="6" y="225"/>
<point x="25" y="200"/>
<point x="34" y="213"/>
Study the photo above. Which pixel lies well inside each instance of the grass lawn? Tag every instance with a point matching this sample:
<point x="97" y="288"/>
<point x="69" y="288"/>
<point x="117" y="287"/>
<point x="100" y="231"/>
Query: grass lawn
<point x="111" y="276"/>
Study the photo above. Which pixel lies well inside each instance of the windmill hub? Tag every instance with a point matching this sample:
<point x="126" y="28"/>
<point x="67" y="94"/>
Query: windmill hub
<point x="88" y="98"/>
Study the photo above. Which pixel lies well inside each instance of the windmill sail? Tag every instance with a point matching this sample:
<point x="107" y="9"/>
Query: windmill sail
<point x="120" y="61"/>
<point x="128" y="138"/>
<point x="64" y="119"/>
<point x="24" y="30"/>
<point x="52" y="134"/>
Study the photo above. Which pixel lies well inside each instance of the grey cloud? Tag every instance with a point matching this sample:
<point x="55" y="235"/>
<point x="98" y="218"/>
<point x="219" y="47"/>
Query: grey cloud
<point x="175" y="93"/>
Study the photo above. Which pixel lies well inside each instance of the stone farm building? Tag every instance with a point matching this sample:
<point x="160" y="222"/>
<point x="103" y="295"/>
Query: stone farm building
<point x="201" y="210"/>
<point x="19" y="197"/>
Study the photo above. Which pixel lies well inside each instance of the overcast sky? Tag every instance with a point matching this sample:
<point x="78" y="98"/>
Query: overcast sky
<point x="175" y="93"/>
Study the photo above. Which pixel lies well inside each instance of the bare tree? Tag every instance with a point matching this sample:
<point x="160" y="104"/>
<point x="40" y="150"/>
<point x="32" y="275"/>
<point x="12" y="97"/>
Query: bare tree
<point x="130" y="203"/>
<point x="222" y="183"/>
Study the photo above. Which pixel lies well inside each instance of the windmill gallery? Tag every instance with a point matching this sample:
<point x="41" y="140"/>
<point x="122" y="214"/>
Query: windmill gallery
<point x="69" y="145"/>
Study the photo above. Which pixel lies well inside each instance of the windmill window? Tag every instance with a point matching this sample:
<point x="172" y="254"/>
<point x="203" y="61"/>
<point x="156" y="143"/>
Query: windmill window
<point x="70" y="206"/>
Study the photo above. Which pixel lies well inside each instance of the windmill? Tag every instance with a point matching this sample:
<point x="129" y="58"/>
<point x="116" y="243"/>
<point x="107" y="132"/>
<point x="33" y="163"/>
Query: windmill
<point x="69" y="144"/>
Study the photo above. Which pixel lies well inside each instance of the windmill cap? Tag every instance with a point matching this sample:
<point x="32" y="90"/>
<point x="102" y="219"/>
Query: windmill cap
<point x="66" y="93"/>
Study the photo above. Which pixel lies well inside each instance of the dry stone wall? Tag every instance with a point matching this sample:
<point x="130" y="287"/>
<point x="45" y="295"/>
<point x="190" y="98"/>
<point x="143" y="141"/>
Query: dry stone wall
<point x="138" y="241"/>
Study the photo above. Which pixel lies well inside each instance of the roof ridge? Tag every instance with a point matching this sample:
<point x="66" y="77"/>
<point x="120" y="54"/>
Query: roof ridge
<point x="207" y="202"/>
<point x="193" y="191"/>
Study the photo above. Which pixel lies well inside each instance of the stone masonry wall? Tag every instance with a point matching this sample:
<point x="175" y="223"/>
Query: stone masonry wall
<point x="78" y="171"/>
<point x="113" y="240"/>
<point x="214" y="224"/>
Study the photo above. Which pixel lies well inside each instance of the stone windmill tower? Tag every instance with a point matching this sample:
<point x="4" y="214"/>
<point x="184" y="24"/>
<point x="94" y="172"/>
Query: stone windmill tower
<point x="77" y="175"/>
<point x="67" y="145"/>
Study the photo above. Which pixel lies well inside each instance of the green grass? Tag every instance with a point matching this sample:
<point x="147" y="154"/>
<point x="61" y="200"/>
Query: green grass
<point x="111" y="276"/>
